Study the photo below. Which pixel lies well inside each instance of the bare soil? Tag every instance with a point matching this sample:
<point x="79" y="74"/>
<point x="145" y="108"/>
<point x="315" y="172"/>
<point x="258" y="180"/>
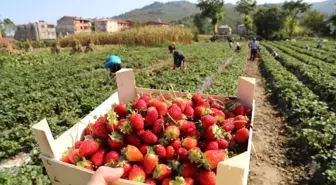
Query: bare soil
<point x="269" y="163"/>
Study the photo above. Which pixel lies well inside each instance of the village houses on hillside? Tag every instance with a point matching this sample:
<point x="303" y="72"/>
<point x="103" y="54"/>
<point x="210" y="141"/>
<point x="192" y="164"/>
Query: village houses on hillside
<point x="72" y="25"/>
<point x="111" y="25"/>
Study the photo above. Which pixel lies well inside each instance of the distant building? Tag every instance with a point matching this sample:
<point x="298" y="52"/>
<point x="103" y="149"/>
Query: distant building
<point x="224" y="30"/>
<point x="111" y="25"/>
<point x="241" y="30"/>
<point x="40" y="30"/>
<point x="72" y="25"/>
<point x="156" y="23"/>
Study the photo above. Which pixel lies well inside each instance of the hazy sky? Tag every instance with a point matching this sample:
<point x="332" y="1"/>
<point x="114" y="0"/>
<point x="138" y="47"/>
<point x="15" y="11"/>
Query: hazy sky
<point x="23" y="11"/>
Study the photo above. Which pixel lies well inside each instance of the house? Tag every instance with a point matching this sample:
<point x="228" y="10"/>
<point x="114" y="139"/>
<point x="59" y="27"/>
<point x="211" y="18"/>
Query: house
<point x="72" y="25"/>
<point x="156" y="23"/>
<point x="224" y="30"/>
<point x="111" y="25"/>
<point x="40" y="30"/>
<point x="241" y="30"/>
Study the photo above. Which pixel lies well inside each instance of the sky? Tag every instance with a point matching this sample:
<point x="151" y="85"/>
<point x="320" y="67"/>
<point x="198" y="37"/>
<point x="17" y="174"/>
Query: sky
<point x="24" y="11"/>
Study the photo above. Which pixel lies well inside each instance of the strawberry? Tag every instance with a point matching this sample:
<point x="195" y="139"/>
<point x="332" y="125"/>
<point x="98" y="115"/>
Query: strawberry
<point x="186" y="125"/>
<point x="150" y="161"/>
<point x="172" y="132"/>
<point x="189" y="181"/>
<point x="126" y="166"/>
<point x="192" y="132"/>
<point x="158" y="126"/>
<point x="143" y="149"/>
<point x="74" y="156"/>
<point x="98" y="157"/>
<point x="212" y="158"/>
<point x="189" y="111"/>
<point x="160" y="151"/>
<point x="222" y="143"/>
<point x="86" y="164"/>
<point x="178" y="181"/>
<point x="201" y="111"/>
<point x="219" y="115"/>
<point x="140" y="132"/>
<point x="78" y="144"/>
<point x="151" y="116"/>
<point x="239" y="121"/>
<point x="115" y="140"/>
<point x="88" y="148"/>
<point x="111" y="157"/>
<point x="88" y="130"/>
<point x="195" y="156"/>
<point x="248" y="112"/>
<point x="228" y="125"/>
<point x="213" y="132"/>
<point x="213" y="145"/>
<point x="146" y="98"/>
<point x="121" y="110"/>
<point x="208" y="121"/>
<point x="161" y="172"/>
<point x="181" y="104"/>
<point x="137" y="174"/>
<point x="170" y="152"/>
<point x="189" y="143"/>
<point x="149" y="137"/>
<point x="188" y="170"/>
<point x="133" y="154"/>
<point x="137" y="121"/>
<point x="230" y="115"/>
<point x="242" y="135"/>
<point x="65" y="157"/>
<point x="133" y="139"/>
<point x="175" y="112"/>
<point x="216" y="106"/>
<point x="207" y="178"/>
<point x="197" y="98"/>
<point x="202" y="144"/>
<point x="182" y="153"/>
<point x="161" y="107"/>
<point x="150" y="182"/>
<point x="125" y="126"/>
<point x="140" y="105"/>
<point x="239" y="110"/>
<point x="113" y="124"/>
<point x="166" y="181"/>
<point x="99" y="129"/>
<point x="176" y="144"/>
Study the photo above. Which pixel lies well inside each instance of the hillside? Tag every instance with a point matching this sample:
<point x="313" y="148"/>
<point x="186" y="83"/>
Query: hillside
<point x="327" y="7"/>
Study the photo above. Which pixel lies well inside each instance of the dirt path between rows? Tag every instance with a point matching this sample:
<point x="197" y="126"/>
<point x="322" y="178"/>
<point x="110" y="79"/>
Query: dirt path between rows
<point x="269" y="165"/>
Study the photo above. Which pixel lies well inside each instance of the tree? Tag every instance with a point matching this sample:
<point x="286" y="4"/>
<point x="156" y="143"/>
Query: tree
<point x="315" y="21"/>
<point x="248" y="22"/>
<point x="213" y="9"/>
<point x="7" y="27"/>
<point x="268" y="21"/>
<point x="199" y="22"/>
<point x="245" y="7"/>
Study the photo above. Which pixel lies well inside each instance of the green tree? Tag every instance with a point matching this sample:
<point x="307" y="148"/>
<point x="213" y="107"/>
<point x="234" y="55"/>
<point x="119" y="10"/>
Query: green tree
<point x="213" y="9"/>
<point x="245" y="7"/>
<point x="248" y="22"/>
<point x="7" y="27"/>
<point x="274" y="18"/>
<point x="200" y="23"/>
<point x="314" y="21"/>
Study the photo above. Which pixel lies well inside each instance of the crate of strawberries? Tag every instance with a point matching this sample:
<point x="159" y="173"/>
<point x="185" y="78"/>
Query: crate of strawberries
<point x="157" y="137"/>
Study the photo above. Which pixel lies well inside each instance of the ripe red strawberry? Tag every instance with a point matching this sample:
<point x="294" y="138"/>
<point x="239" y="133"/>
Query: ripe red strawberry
<point x="213" y="132"/>
<point x="161" y="107"/>
<point x="189" y="181"/>
<point x="189" y="143"/>
<point x="160" y="151"/>
<point x="228" y="125"/>
<point x="181" y="104"/>
<point x="182" y="153"/>
<point x="150" y="161"/>
<point x="158" y="126"/>
<point x="86" y="164"/>
<point x="188" y="170"/>
<point x="217" y="106"/>
<point x="65" y="157"/>
<point x="212" y="158"/>
<point x="175" y="112"/>
<point x="74" y="156"/>
<point x="186" y="125"/>
<point x="99" y="129"/>
<point x="172" y="132"/>
<point x="151" y="116"/>
<point x="133" y="139"/>
<point x="197" y="98"/>
<point x="248" y="112"/>
<point x="140" y="132"/>
<point x="146" y="97"/>
<point x="140" y="105"/>
<point x="78" y="144"/>
<point x="192" y="132"/>
<point x="88" y="130"/>
<point x="207" y="178"/>
<point x="126" y="166"/>
<point x="219" y="115"/>
<point x="133" y="154"/>
<point x="166" y="181"/>
<point x="201" y="111"/>
<point x="242" y="135"/>
<point x="125" y="126"/>
<point x="116" y="140"/>
<point x="230" y="115"/>
<point x="222" y="143"/>
<point x="239" y="122"/>
<point x="143" y="149"/>
<point x="170" y="152"/>
<point x="111" y="157"/>
<point x="88" y="148"/>
<point x="150" y="182"/>
<point x="208" y="121"/>
<point x="176" y="144"/>
<point x="161" y="172"/>
<point x="102" y="119"/>
<point x="213" y="145"/>
<point x="98" y="157"/>
<point x="239" y="110"/>
<point x="137" y="174"/>
<point x="137" y="121"/>
<point x="149" y="137"/>
<point x="189" y="111"/>
<point x="121" y="110"/>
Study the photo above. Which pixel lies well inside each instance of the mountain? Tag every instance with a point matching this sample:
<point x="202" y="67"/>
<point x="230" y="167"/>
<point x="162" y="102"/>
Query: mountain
<point x="327" y="7"/>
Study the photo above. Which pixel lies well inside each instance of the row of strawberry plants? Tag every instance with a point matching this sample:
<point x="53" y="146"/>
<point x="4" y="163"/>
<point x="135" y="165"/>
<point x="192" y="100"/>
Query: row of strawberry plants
<point x="310" y="118"/>
<point x="321" y="84"/>
<point x="312" y="45"/>
<point x="325" y="67"/>
<point x="323" y="57"/>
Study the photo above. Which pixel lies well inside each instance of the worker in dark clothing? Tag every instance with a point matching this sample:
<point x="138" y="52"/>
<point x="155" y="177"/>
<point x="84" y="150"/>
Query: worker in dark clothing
<point x="179" y="58"/>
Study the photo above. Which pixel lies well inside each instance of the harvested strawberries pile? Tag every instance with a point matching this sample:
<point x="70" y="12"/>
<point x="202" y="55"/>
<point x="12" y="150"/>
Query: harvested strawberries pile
<point x="164" y="140"/>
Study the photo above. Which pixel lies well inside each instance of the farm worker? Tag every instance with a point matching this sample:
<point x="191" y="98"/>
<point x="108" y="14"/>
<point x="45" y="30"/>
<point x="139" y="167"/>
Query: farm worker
<point x="254" y="49"/>
<point x="238" y="47"/>
<point x="179" y="58"/>
<point x="319" y="45"/>
<point x="275" y="55"/>
<point x="105" y="175"/>
<point x="307" y="47"/>
<point x="230" y="42"/>
<point x="113" y="63"/>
